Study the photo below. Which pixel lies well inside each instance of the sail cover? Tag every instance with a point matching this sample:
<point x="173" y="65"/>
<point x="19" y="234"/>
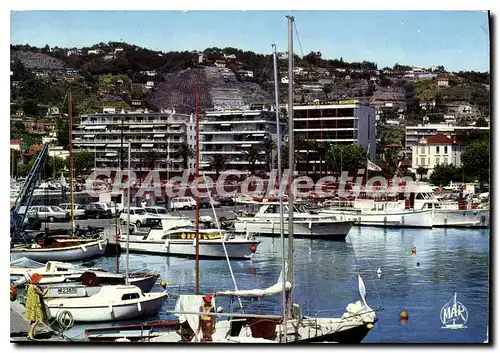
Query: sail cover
<point x="191" y="304"/>
<point x="26" y="262"/>
<point x="252" y="293"/>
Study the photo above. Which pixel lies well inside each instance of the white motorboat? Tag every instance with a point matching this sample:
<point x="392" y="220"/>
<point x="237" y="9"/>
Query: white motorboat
<point x="448" y="214"/>
<point x="177" y="237"/>
<point x="111" y="303"/>
<point x="61" y="249"/>
<point x="266" y="222"/>
<point x="382" y="214"/>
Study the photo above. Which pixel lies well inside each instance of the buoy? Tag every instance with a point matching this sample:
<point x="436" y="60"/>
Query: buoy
<point x="414" y="251"/>
<point x="163" y="283"/>
<point x="369" y="326"/>
<point x="418" y="263"/>
<point x="253" y="249"/>
<point x="403" y="315"/>
<point x="379" y="271"/>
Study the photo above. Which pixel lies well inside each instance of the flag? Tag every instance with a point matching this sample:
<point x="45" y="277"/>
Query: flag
<point x="372" y="166"/>
<point x="63" y="180"/>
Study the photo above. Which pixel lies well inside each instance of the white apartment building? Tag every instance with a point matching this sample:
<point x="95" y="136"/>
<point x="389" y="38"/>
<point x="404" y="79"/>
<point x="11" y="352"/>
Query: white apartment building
<point x="434" y="150"/>
<point x="346" y="123"/>
<point x="232" y="133"/>
<point x="415" y="133"/>
<point x="105" y="134"/>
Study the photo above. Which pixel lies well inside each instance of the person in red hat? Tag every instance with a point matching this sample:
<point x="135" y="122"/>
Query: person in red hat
<point x="207" y="322"/>
<point x="35" y="308"/>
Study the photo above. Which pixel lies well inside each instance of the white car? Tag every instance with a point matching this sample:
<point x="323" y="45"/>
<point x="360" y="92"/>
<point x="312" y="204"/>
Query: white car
<point x="78" y="210"/>
<point x="138" y="216"/>
<point x="183" y="203"/>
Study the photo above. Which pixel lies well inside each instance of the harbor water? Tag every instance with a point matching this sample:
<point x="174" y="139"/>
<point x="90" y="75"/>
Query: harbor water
<point x="446" y="261"/>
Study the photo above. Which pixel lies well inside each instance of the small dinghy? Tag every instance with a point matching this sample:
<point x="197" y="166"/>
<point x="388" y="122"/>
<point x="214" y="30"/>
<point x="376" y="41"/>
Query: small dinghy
<point x="111" y="303"/>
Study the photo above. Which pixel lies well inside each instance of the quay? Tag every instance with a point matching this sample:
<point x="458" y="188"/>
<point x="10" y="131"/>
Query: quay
<point x="19" y="328"/>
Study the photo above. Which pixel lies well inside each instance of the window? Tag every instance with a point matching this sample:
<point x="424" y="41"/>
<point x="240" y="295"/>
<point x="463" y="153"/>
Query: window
<point x="422" y="161"/>
<point x="422" y="150"/>
<point x="129" y="296"/>
<point x="437" y="149"/>
<point x="445" y="160"/>
<point x="437" y="161"/>
<point x="445" y="149"/>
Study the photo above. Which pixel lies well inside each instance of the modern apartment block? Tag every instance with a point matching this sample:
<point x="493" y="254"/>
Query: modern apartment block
<point x="347" y="122"/>
<point x="105" y="134"/>
<point x="232" y="133"/>
<point x="414" y="134"/>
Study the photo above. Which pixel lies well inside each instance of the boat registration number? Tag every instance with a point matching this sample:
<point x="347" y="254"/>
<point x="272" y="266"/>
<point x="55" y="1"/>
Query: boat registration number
<point x="66" y="290"/>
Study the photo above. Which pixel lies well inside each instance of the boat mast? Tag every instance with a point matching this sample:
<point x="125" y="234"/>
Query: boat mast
<point x="128" y="215"/>
<point x="70" y="150"/>
<point x="280" y="192"/>
<point x="291" y="156"/>
<point x="197" y="245"/>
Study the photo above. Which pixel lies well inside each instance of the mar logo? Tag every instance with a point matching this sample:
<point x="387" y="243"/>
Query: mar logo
<point x="454" y="314"/>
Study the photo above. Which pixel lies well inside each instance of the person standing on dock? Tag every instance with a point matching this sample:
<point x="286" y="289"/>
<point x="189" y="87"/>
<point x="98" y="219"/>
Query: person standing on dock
<point x="35" y="308"/>
<point x="207" y="322"/>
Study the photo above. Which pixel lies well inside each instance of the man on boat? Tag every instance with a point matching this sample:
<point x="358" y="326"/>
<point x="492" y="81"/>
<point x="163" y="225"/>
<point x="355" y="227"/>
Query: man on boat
<point x="207" y="322"/>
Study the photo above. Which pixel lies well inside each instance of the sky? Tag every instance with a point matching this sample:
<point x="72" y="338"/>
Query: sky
<point x="458" y="40"/>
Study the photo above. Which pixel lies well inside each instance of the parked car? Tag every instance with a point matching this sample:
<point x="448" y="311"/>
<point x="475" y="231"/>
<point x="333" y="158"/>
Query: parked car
<point x="156" y="210"/>
<point x="138" y="216"/>
<point x="50" y="213"/>
<point x="95" y="210"/>
<point x="183" y="203"/>
<point x="107" y="206"/>
<point x="206" y="202"/>
<point x="225" y="200"/>
<point x="78" y="210"/>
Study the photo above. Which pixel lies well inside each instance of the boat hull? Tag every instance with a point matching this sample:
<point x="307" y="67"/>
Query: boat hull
<point x="462" y="218"/>
<point x="315" y="230"/>
<point x="73" y="253"/>
<point x="148" y="307"/>
<point x="417" y="219"/>
<point x="207" y="249"/>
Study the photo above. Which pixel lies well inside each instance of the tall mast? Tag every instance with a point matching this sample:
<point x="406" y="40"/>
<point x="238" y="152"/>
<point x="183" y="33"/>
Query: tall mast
<point x="280" y="192"/>
<point x="291" y="156"/>
<point x="128" y="213"/>
<point x="70" y="150"/>
<point x="197" y="255"/>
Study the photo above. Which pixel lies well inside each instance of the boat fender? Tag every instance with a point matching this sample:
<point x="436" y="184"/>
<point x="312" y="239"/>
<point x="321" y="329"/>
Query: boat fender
<point x="110" y="308"/>
<point x="84" y="248"/>
<point x="139" y="307"/>
<point x="167" y="243"/>
<point x="100" y="245"/>
<point x="310" y="224"/>
<point x="194" y="242"/>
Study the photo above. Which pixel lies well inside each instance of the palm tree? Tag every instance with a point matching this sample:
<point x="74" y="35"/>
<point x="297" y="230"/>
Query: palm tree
<point x="421" y="171"/>
<point x="268" y="145"/>
<point x="218" y="162"/>
<point x="253" y="155"/>
<point x="150" y="158"/>
<point x="185" y="152"/>
<point x="322" y="149"/>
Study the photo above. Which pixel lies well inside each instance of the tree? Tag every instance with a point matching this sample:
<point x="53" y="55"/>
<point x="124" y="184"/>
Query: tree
<point x="185" y="152"/>
<point x="421" y="171"/>
<point x="327" y="89"/>
<point x="218" y="162"/>
<point x="481" y="122"/>
<point x="268" y="145"/>
<point x="30" y="107"/>
<point x="150" y="158"/>
<point x="253" y="155"/>
<point x="82" y="161"/>
<point x="476" y="160"/>
<point x="444" y="173"/>
<point x="62" y="128"/>
<point x="347" y="158"/>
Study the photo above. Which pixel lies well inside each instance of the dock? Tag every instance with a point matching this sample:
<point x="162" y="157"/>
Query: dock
<point x="19" y="328"/>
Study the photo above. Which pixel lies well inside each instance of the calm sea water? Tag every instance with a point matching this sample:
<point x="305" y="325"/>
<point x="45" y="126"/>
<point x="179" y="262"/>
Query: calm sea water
<point x="450" y="260"/>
